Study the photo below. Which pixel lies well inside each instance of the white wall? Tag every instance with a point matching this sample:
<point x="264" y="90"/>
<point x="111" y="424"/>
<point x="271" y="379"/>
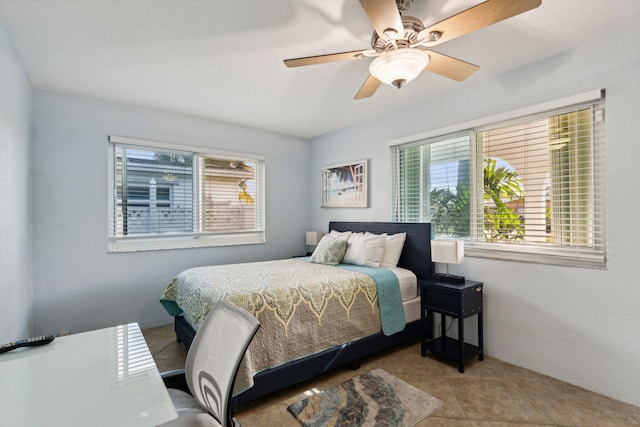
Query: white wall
<point x="579" y="325"/>
<point x="15" y="187"/>
<point x="79" y="286"/>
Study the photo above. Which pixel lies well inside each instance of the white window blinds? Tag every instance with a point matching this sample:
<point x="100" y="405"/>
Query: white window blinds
<point x="231" y="201"/>
<point x="159" y="192"/>
<point x="154" y="190"/>
<point x="543" y="183"/>
<point x="530" y="188"/>
<point x="431" y="183"/>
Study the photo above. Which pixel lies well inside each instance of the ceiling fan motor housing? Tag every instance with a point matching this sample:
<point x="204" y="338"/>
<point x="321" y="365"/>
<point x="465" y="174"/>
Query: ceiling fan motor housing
<point x="412" y="27"/>
<point x="403" y="5"/>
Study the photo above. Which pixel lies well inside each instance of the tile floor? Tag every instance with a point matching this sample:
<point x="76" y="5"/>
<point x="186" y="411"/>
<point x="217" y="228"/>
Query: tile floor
<point x="490" y="393"/>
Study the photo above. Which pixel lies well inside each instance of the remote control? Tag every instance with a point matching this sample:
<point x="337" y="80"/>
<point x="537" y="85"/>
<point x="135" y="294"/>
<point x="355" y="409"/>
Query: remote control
<point x="29" y="342"/>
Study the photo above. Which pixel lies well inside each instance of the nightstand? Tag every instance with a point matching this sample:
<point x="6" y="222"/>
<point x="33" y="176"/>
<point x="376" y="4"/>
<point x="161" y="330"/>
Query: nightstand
<point x="458" y="301"/>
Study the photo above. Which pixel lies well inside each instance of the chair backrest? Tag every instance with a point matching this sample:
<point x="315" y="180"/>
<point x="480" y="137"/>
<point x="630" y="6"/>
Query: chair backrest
<point x="215" y="355"/>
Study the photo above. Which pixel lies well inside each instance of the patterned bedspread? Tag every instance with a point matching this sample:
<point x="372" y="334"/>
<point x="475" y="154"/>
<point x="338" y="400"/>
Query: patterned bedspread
<point x="303" y="308"/>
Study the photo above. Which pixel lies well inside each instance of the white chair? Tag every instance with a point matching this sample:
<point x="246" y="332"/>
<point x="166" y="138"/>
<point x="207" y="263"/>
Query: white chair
<point x="211" y="367"/>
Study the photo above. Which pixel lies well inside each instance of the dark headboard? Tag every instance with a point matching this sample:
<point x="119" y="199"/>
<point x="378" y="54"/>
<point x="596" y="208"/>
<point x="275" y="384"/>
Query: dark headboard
<point x="416" y="255"/>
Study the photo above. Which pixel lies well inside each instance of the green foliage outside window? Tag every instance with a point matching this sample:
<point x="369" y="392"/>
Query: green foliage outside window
<point x="451" y="211"/>
<point x="501" y="186"/>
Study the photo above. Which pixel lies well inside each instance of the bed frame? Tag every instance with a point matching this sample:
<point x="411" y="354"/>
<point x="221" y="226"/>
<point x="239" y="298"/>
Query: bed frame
<point x="416" y="256"/>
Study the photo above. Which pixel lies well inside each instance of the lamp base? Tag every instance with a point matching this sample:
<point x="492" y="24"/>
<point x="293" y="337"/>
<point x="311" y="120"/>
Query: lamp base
<point x="448" y="278"/>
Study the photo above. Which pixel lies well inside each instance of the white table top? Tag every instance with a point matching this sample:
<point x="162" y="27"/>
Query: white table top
<point x="99" y="378"/>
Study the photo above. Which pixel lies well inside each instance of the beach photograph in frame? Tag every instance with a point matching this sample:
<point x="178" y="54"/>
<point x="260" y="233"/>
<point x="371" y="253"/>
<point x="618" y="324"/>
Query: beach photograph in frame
<point x="345" y="185"/>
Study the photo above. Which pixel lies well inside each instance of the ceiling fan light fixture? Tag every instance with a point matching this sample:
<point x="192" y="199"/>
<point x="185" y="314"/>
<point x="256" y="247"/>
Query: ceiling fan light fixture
<point x="397" y="67"/>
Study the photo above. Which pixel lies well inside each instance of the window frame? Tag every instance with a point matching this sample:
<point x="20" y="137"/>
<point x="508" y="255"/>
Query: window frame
<point x="554" y="255"/>
<point x="197" y="239"/>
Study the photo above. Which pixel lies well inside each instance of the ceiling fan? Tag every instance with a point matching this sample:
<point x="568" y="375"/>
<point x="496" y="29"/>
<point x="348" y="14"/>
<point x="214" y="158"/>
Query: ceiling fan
<point x="400" y="43"/>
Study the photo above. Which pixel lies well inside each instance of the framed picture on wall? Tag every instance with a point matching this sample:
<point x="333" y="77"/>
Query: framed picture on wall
<point x="345" y="185"/>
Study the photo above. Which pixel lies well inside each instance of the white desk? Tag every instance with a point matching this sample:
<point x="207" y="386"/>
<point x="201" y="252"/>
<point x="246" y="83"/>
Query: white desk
<point x="98" y="378"/>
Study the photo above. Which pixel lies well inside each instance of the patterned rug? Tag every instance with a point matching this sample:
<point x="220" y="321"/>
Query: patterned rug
<point x="376" y="398"/>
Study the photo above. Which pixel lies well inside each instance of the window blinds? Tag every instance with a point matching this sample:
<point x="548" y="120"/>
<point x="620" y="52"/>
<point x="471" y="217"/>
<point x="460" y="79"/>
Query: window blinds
<point x="529" y="188"/>
<point x="230" y="201"/>
<point x="154" y="191"/>
<point x="557" y="161"/>
<point x="157" y="191"/>
<point x="431" y="182"/>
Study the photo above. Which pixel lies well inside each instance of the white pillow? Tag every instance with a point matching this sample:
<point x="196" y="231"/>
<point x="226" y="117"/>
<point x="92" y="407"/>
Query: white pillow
<point x="393" y="249"/>
<point x="365" y="249"/>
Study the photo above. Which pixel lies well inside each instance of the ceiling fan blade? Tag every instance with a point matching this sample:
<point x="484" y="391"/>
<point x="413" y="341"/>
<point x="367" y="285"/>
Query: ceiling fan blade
<point x="383" y="15"/>
<point x="321" y="59"/>
<point x="449" y="67"/>
<point x="480" y="16"/>
<point x="368" y="88"/>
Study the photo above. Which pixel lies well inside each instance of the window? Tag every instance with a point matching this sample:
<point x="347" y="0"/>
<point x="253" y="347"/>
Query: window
<point x="139" y="195"/>
<point x="432" y="183"/>
<point x="168" y="196"/>
<point x="527" y="188"/>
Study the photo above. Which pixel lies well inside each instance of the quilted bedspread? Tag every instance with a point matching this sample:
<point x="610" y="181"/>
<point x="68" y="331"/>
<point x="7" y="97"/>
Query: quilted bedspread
<point x="303" y="308"/>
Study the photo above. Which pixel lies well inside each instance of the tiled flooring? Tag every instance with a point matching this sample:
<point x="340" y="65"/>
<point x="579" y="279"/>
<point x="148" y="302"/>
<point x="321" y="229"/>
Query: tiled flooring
<point x="490" y="393"/>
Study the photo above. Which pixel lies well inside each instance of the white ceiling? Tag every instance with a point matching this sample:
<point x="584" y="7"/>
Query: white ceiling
<point x="223" y="59"/>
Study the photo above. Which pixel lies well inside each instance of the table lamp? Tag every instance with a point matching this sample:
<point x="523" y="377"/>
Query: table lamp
<point x="313" y="238"/>
<point x="448" y="252"/>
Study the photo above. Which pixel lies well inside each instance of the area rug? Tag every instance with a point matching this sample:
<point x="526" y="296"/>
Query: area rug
<point x="376" y="398"/>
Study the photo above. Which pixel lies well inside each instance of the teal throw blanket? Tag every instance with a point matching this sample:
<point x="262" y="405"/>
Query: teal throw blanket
<point x="389" y="298"/>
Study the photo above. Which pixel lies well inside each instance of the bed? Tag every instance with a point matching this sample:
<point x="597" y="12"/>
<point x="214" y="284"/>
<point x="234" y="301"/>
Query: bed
<point x="372" y="320"/>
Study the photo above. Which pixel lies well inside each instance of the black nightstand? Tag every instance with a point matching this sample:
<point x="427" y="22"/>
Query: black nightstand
<point x="456" y="300"/>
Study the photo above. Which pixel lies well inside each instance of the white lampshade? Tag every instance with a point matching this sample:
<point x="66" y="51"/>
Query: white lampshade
<point x="399" y="66"/>
<point x="313" y="237"/>
<point x="447" y="251"/>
